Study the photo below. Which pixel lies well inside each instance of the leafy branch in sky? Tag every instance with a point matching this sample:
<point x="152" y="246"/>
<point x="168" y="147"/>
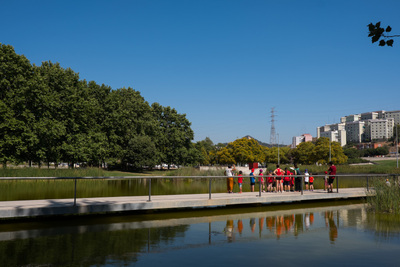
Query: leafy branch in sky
<point x="377" y="33"/>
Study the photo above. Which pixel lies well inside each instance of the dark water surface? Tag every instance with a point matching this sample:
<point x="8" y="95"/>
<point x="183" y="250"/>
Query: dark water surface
<point x="325" y="234"/>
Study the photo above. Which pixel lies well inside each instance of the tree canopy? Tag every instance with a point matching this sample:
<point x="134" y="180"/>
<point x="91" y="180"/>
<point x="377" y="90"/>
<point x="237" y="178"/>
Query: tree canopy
<point x="48" y="114"/>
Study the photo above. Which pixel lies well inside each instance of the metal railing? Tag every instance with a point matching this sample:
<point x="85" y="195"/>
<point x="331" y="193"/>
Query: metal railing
<point x="368" y="177"/>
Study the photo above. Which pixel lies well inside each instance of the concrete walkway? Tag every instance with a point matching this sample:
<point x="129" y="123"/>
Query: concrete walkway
<point x="53" y="207"/>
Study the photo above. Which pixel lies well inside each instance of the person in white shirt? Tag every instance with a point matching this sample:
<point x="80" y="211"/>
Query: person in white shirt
<point x="229" y="180"/>
<point x="306" y="179"/>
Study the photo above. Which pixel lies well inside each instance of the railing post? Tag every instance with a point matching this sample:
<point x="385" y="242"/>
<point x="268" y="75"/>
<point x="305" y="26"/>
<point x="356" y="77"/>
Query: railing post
<point x="149" y="190"/>
<point x="367" y="185"/>
<point x="259" y="186"/>
<point x="337" y="184"/>
<point x="209" y="188"/>
<point x="301" y="184"/>
<point x="74" y="192"/>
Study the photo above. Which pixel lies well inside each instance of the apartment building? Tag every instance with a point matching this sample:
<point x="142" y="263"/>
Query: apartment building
<point x="335" y="132"/>
<point x="357" y="128"/>
<point x="355" y="131"/>
<point x="296" y="140"/>
<point x="378" y="129"/>
<point x="393" y="114"/>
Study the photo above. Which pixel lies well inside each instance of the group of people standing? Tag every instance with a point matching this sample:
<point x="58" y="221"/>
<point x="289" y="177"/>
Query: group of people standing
<point x="280" y="180"/>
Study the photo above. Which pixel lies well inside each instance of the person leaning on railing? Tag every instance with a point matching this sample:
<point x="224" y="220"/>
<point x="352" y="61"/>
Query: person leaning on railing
<point x="229" y="181"/>
<point x="332" y="173"/>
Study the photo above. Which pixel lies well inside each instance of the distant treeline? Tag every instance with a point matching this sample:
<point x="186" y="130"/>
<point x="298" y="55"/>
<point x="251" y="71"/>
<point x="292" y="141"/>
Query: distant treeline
<point x="47" y="114"/>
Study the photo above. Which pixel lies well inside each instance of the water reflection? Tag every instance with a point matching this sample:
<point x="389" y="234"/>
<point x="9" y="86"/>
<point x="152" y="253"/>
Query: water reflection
<point x="330" y="223"/>
<point x="288" y="224"/>
<point x="154" y="239"/>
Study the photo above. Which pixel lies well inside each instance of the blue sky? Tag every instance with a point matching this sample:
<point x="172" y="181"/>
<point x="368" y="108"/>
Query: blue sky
<point x="223" y="63"/>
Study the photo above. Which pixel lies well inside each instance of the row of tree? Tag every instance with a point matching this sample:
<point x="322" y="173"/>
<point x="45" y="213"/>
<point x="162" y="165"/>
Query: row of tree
<point x="246" y="150"/>
<point x="47" y="114"/>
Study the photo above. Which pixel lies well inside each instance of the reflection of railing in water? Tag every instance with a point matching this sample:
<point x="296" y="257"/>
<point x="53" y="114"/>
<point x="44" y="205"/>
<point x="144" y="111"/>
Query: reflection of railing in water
<point x="338" y="177"/>
<point x="157" y="223"/>
<point x="213" y="224"/>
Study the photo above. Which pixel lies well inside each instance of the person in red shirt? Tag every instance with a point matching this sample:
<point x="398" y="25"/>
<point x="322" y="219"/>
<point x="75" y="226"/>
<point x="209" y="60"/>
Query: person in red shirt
<point x="261" y="180"/>
<point x="278" y="172"/>
<point x="270" y="182"/>
<point x="332" y="173"/>
<point x="311" y="181"/>
<point x="240" y="181"/>
<point x="286" y="180"/>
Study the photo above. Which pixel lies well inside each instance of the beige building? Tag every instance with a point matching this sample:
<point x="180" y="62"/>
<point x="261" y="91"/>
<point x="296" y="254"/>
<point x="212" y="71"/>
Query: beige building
<point x="393" y="114"/>
<point x="378" y="129"/>
<point x="357" y="128"/>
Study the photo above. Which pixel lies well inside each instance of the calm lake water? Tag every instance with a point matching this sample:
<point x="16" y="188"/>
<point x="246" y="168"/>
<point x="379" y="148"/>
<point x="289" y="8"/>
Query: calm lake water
<point x="328" y="234"/>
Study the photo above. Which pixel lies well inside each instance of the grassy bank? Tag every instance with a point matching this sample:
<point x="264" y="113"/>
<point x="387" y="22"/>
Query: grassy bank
<point x="385" y="196"/>
<point x="77" y="172"/>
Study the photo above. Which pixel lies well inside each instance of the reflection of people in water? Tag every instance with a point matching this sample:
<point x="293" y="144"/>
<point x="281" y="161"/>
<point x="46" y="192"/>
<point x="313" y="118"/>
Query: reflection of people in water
<point x="260" y="225"/>
<point x="229" y="230"/>
<point x="270" y="221"/>
<point x="279" y="226"/>
<point x="240" y="226"/>
<point x="253" y="224"/>
<point x="307" y="221"/>
<point x="289" y="222"/>
<point x="333" y="232"/>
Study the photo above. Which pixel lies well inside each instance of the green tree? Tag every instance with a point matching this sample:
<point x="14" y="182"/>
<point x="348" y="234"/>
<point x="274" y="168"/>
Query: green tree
<point x="240" y="151"/>
<point x="351" y="152"/>
<point x="225" y="156"/>
<point x="322" y="150"/>
<point x="16" y="74"/>
<point x="173" y="134"/>
<point x="272" y="155"/>
<point x="205" y="148"/>
<point x="141" y="152"/>
<point x="98" y="143"/>
<point x="127" y="115"/>
<point x="303" y="153"/>
<point x="247" y="150"/>
<point x="62" y="108"/>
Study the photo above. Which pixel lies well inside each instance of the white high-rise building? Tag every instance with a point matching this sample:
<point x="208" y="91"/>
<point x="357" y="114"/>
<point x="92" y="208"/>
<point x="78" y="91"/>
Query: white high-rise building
<point x="335" y="132"/>
<point x="296" y="140"/>
<point x="357" y="128"/>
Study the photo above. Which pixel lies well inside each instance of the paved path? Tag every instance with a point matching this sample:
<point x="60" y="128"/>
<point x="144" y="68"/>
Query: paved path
<point x="51" y="207"/>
